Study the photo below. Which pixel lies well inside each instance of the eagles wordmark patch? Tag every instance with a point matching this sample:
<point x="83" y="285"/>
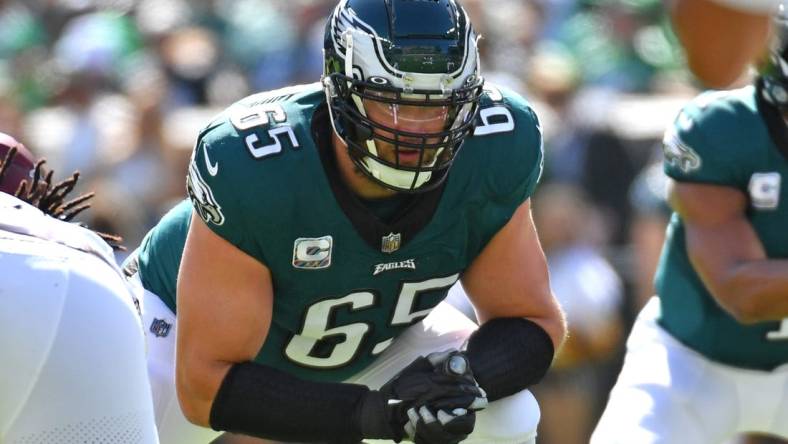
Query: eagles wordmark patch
<point x="408" y="264"/>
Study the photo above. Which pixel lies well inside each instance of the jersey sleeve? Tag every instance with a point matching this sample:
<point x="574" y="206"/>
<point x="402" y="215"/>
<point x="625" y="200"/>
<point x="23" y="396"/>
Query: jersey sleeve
<point x="698" y="147"/>
<point x="520" y="170"/>
<point x="215" y="187"/>
<point x="508" y="156"/>
<point x="533" y="162"/>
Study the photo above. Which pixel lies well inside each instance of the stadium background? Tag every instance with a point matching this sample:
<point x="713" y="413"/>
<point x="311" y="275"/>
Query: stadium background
<point x="118" y="90"/>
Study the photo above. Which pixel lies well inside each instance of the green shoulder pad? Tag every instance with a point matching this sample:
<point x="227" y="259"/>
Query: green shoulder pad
<point x="252" y="145"/>
<point x="507" y="141"/>
<point x="710" y="140"/>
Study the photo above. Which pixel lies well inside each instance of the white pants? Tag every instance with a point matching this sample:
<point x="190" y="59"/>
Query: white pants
<point x="668" y="393"/>
<point x="511" y="420"/>
<point x="72" y="350"/>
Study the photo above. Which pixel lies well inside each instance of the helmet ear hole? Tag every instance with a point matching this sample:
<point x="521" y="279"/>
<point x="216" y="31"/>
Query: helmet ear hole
<point x="356" y="130"/>
<point x="363" y="132"/>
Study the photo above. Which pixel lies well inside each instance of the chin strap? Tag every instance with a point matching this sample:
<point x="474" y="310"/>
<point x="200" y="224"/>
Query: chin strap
<point x="393" y="177"/>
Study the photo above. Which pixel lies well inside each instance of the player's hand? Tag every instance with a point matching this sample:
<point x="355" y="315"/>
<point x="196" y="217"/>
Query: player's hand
<point x="426" y="426"/>
<point x="440" y="421"/>
<point x="441" y="379"/>
<point x="436" y="382"/>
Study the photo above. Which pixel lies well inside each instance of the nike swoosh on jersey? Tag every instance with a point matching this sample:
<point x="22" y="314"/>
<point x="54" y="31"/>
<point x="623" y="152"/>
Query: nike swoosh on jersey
<point x="213" y="169"/>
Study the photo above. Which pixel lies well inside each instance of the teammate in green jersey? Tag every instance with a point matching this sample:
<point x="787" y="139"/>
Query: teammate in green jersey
<point x="709" y="358"/>
<point x="328" y="222"/>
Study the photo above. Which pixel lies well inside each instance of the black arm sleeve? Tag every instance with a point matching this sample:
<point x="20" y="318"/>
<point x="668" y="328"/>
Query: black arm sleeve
<point x="261" y="401"/>
<point x="508" y="355"/>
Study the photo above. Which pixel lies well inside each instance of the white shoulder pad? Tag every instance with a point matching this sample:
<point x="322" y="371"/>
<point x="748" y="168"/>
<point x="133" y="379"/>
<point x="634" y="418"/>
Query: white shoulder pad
<point x="19" y="217"/>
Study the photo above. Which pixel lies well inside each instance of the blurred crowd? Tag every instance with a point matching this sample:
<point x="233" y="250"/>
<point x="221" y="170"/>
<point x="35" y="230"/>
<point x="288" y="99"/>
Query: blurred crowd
<point x="118" y="89"/>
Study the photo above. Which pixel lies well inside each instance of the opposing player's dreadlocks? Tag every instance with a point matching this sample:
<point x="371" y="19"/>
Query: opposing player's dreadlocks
<point x="50" y="198"/>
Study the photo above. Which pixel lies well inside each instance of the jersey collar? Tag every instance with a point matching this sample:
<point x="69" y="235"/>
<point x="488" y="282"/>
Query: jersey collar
<point x="407" y="222"/>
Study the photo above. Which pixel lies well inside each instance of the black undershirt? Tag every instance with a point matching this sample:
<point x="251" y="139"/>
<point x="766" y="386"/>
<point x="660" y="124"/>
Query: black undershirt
<point x="388" y="208"/>
<point x="404" y="214"/>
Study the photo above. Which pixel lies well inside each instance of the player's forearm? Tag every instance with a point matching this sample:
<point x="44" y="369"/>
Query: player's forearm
<point x="554" y="325"/>
<point x="264" y="402"/>
<point x="508" y="355"/>
<point x="261" y="401"/>
<point x="541" y="308"/>
<point x="197" y="384"/>
<point x="755" y="291"/>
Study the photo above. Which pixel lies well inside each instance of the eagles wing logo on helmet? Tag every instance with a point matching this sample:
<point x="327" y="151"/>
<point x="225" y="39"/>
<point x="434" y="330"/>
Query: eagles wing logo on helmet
<point x="401" y="54"/>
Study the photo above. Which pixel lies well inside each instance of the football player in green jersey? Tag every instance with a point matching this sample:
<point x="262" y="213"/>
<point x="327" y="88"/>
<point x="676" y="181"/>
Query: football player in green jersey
<point x="708" y="359"/>
<point x="328" y="221"/>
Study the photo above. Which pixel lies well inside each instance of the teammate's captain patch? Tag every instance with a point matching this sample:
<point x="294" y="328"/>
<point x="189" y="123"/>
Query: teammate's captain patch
<point x="391" y="243"/>
<point x="765" y="190"/>
<point x="312" y="253"/>
<point x="160" y="328"/>
<point x="409" y="264"/>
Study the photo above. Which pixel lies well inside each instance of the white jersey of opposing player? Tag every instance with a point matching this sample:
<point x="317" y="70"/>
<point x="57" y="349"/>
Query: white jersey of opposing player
<point x="73" y="351"/>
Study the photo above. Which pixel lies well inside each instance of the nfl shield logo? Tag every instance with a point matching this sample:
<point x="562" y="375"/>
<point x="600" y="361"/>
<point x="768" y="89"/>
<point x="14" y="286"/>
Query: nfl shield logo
<point x="160" y="328"/>
<point x="391" y="243"/>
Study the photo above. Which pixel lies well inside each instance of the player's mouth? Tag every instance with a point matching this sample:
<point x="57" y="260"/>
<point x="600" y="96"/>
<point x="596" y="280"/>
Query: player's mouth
<point x="409" y="157"/>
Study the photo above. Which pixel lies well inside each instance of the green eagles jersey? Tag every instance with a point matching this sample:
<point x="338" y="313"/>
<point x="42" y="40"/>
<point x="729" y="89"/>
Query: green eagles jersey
<point x="346" y="282"/>
<point x="733" y="139"/>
